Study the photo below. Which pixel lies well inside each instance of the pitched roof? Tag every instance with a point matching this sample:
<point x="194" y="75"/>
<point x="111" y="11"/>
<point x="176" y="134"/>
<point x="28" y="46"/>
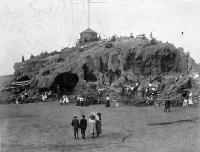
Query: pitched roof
<point x="89" y="30"/>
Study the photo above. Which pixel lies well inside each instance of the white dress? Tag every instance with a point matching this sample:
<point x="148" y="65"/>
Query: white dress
<point x="92" y="124"/>
<point x="66" y="99"/>
<point x="117" y="104"/>
<point x="190" y="102"/>
<point x="44" y="97"/>
<point x="185" y="103"/>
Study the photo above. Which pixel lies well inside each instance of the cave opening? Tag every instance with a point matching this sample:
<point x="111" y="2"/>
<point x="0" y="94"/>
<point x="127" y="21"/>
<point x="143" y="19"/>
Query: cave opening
<point x="66" y="81"/>
<point x="88" y="75"/>
<point x="24" y="78"/>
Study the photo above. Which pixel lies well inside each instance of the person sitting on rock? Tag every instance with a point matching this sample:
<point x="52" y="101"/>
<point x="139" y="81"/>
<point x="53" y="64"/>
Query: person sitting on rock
<point x="185" y="103"/>
<point x="22" y="98"/>
<point x="44" y="96"/>
<point x="16" y="101"/>
<point x="26" y="97"/>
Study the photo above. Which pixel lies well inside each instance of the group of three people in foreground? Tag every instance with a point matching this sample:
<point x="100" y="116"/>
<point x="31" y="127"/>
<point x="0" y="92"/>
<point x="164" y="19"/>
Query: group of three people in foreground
<point x="94" y="122"/>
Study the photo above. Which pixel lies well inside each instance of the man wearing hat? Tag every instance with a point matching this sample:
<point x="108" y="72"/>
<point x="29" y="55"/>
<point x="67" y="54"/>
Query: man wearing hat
<point x="107" y="101"/>
<point x="75" y="125"/>
<point x="167" y="104"/>
<point x="83" y="126"/>
<point x="98" y="124"/>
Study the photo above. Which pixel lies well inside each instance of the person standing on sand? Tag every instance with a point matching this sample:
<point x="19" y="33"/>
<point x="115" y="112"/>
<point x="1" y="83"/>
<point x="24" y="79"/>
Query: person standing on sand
<point x="92" y="123"/>
<point x="75" y="125"/>
<point x="98" y="124"/>
<point x="107" y="101"/>
<point x="83" y="126"/>
<point x="81" y="101"/>
<point x="167" y="105"/>
<point x="59" y="93"/>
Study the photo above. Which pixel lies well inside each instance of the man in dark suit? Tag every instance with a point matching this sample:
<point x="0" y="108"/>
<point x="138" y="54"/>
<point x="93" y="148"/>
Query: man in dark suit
<point x="75" y="125"/>
<point x="107" y="101"/>
<point x="83" y="126"/>
<point x="98" y="124"/>
<point x="167" y="104"/>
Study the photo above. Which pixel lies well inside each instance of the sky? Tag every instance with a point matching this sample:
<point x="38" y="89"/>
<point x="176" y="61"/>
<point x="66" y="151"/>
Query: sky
<point x="33" y="26"/>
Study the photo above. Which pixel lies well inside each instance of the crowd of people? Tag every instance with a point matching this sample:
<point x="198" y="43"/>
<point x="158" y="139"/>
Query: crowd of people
<point x="22" y="98"/>
<point x="64" y="100"/>
<point x="94" y="121"/>
<point x="188" y="100"/>
<point x="45" y="95"/>
<point x="150" y="93"/>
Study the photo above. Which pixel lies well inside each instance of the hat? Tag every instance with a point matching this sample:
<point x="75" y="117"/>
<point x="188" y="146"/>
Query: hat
<point x="75" y="116"/>
<point x="98" y="113"/>
<point x="92" y="116"/>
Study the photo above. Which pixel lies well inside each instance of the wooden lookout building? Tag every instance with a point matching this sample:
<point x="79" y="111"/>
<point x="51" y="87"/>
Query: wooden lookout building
<point x="88" y="35"/>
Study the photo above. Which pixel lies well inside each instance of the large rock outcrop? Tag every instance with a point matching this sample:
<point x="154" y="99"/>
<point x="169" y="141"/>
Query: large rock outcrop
<point x="126" y="60"/>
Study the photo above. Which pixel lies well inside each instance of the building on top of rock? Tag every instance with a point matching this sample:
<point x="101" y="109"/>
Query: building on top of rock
<point x="141" y="36"/>
<point x="88" y="35"/>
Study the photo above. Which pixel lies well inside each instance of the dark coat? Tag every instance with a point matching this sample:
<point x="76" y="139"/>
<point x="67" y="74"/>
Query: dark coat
<point x="167" y="103"/>
<point x="83" y="123"/>
<point x="107" y="103"/>
<point x="98" y="127"/>
<point x="75" y="123"/>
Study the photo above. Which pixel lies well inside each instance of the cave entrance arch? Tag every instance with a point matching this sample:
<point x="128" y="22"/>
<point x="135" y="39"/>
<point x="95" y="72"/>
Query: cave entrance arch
<point x="66" y="81"/>
<point x="24" y="78"/>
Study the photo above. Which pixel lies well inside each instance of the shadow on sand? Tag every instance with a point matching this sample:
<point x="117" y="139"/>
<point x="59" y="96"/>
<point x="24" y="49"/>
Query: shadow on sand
<point x="174" y="122"/>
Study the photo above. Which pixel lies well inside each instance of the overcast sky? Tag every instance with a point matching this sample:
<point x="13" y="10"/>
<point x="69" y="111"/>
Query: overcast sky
<point x="32" y="26"/>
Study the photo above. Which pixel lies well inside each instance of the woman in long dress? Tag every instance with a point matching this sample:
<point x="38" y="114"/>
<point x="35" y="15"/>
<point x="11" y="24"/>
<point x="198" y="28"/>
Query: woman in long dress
<point x="65" y="99"/>
<point x="92" y="124"/>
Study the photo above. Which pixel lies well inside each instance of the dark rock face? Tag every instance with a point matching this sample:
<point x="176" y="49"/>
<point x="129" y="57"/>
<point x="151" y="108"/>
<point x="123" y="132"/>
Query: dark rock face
<point x="126" y="61"/>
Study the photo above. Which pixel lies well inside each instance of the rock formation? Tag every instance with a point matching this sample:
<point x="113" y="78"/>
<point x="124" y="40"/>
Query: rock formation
<point x="127" y="60"/>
